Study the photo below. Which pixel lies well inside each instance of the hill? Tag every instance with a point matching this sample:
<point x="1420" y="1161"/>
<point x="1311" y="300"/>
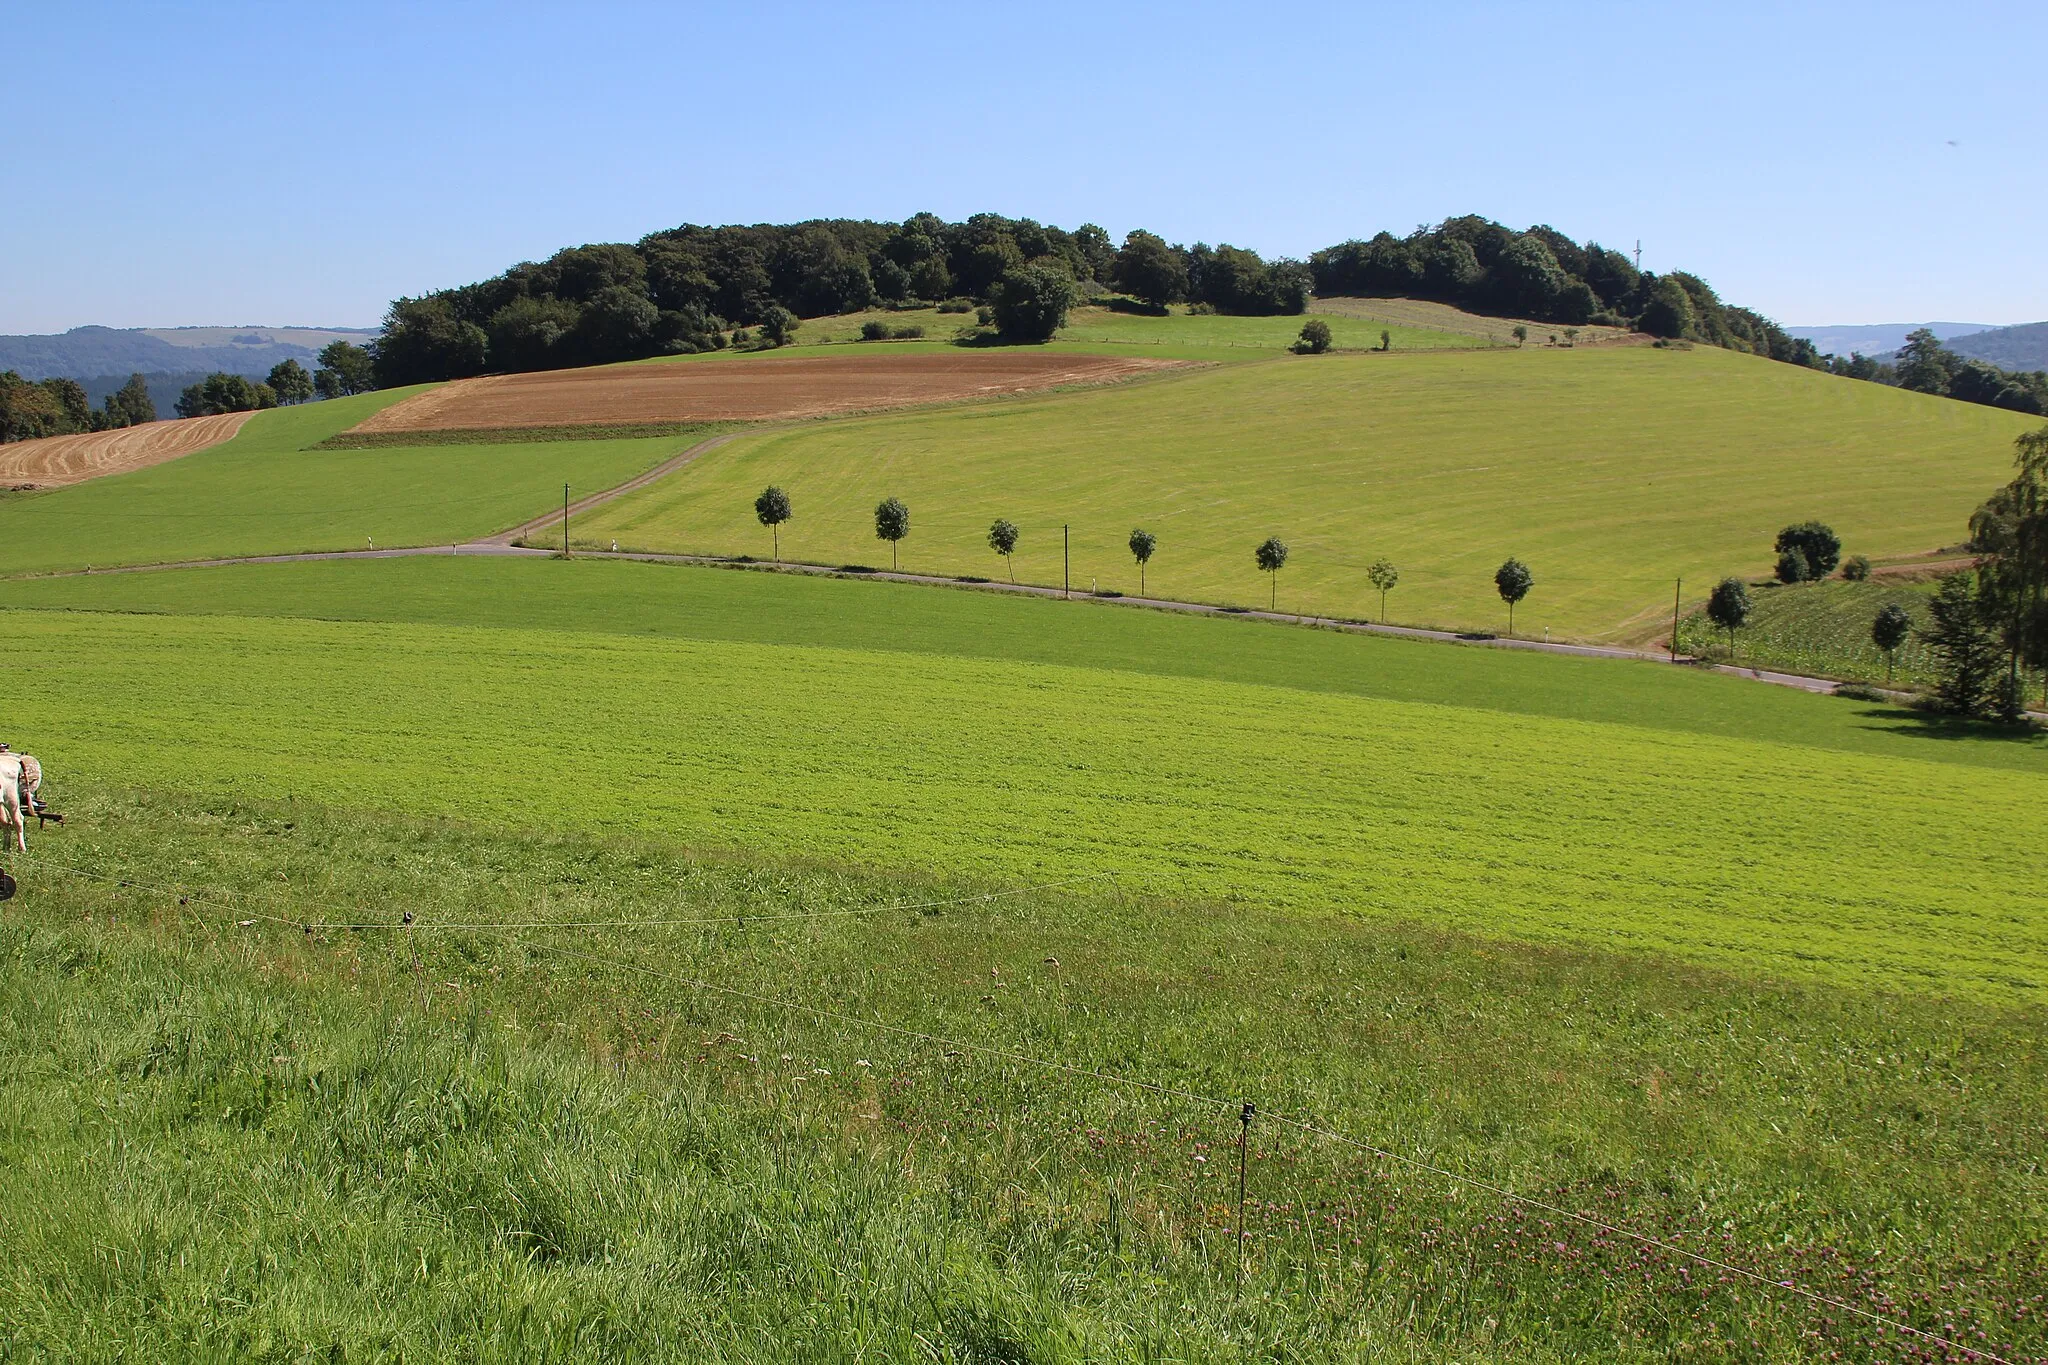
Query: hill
<point x="814" y="1014"/>
<point x="1610" y="471"/>
<point x="94" y="352"/>
<point x="1879" y="341"/>
<point x="2011" y="348"/>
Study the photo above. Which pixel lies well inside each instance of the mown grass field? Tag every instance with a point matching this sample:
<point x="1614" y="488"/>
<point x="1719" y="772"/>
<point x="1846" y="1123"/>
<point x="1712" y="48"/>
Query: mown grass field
<point x="1610" y="472"/>
<point x="1624" y="836"/>
<point x="268" y="491"/>
<point x="1824" y="629"/>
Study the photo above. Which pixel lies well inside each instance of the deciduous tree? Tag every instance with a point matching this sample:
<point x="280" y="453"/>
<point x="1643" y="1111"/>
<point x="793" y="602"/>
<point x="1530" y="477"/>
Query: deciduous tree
<point x="1728" y="607"/>
<point x="1384" y="576"/>
<point x="772" y="507"/>
<point x="892" y="523"/>
<point x="1143" y="543"/>
<point x="1315" y="337"/>
<point x="1888" y="631"/>
<point x="290" y="381"/>
<point x="1816" y="543"/>
<point x="1271" y="557"/>
<point x="1031" y="303"/>
<point x="1513" y="581"/>
<point x="1002" y="538"/>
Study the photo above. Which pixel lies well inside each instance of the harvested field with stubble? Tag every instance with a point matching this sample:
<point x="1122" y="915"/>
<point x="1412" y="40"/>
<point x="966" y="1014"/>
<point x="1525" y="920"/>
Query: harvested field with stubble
<point x="55" y="461"/>
<point x="752" y="389"/>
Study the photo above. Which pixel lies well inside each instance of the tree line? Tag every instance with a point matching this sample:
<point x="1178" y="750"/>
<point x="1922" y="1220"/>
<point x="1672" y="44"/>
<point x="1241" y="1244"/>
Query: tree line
<point x="59" y="407"/>
<point x="694" y="288"/>
<point x="1924" y="365"/>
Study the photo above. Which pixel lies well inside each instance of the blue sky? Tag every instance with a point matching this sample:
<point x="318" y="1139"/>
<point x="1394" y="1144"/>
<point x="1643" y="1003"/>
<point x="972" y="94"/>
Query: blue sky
<point x="284" y="164"/>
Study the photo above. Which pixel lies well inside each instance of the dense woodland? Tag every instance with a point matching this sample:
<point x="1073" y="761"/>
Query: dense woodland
<point x="684" y="289"/>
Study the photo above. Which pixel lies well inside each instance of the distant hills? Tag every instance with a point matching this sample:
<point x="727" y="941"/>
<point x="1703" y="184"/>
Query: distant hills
<point x="1879" y="340"/>
<point x="2024" y="347"/>
<point x="83" y="352"/>
<point x="102" y="358"/>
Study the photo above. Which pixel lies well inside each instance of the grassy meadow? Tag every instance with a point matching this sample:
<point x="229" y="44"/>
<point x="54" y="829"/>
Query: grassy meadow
<point x="269" y="492"/>
<point x="227" y="1136"/>
<point x="1623" y="835"/>
<point x="1610" y="471"/>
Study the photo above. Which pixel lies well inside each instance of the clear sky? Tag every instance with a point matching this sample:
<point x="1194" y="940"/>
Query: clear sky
<point x="303" y="164"/>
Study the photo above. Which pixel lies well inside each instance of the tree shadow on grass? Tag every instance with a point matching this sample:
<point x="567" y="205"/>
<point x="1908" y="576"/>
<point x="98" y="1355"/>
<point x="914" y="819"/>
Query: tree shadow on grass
<point x="1901" y="720"/>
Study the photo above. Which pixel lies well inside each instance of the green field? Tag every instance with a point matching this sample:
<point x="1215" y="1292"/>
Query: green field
<point x="1321" y="800"/>
<point x="249" y="1141"/>
<point x="1752" y="970"/>
<point x="267" y="492"/>
<point x="1611" y="472"/>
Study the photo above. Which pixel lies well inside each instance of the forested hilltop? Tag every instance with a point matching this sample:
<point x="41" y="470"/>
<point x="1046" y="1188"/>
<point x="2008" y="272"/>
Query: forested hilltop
<point x="687" y="288"/>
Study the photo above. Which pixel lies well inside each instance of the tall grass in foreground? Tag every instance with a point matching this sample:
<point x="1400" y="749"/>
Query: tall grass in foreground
<point x="246" y="1138"/>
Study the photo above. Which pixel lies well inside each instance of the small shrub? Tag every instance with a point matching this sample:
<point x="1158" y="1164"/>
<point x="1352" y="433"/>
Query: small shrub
<point x="908" y="332"/>
<point x="1861" y="692"/>
<point x="874" y="330"/>
<point x="957" y="306"/>
<point x="742" y="337"/>
<point x="1315" y="337"/>
<point x="1201" y="310"/>
<point x="1856" y="568"/>
<point x="1792" y="567"/>
<point x="985" y="315"/>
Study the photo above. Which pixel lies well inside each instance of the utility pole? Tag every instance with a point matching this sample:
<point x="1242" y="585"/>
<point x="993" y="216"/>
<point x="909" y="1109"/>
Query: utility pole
<point x="1066" y="565"/>
<point x="1639" y="255"/>
<point x="1676" y="584"/>
<point x="565" y="521"/>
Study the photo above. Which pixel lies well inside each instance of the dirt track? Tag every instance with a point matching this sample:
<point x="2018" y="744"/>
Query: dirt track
<point x="55" y="461"/>
<point x="766" y="388"/>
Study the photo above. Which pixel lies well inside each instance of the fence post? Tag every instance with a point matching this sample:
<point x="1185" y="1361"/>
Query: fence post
<point x="1244" y="1133"/>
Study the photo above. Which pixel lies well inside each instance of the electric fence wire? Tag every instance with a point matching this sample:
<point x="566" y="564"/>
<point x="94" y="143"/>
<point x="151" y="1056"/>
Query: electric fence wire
<point x="962" y="1046"/>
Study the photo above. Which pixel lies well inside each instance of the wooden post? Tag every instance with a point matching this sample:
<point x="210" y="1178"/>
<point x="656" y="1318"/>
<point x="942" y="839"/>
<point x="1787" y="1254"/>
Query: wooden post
<point x="1676" y="584"/>
<point x="565" y="521"/>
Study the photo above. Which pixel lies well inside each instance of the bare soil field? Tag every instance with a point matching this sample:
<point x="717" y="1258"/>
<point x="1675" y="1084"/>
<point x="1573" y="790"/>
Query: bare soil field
<point x="769" y="388"/>
<point x="55" y="461"/>
<point x="1442" y="317"/>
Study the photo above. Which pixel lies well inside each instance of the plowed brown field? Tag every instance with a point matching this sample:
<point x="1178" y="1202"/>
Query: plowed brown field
<point x="54" y="461"/>
<point x="749" y="390"/>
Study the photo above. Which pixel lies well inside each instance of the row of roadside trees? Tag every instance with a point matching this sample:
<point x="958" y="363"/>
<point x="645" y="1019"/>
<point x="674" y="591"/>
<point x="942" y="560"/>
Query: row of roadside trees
<point x="774" y="509"/>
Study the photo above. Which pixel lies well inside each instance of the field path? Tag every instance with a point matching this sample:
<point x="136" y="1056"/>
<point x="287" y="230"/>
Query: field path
<point x="55" y="461"/>
<point x="583" y="504"/>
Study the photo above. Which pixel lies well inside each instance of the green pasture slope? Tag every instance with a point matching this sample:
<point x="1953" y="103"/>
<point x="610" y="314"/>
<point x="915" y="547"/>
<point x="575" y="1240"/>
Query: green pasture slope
<point x="1752" y="970"/>
<point x="269" y="492"/>
<point x="1610" y="471"/>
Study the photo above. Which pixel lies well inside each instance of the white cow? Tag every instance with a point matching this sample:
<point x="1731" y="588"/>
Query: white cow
<point x="20" y="776"/>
